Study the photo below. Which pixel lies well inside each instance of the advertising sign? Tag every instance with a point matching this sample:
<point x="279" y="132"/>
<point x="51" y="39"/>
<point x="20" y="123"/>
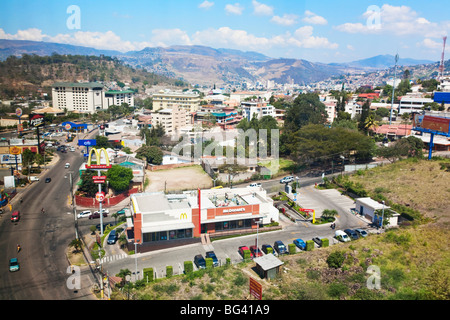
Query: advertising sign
<point x="14" y="150"/>
<point x="37" y="120"/>
<point x="98" y="156"/>
<point x="436" y="123"/>
<point x="10" y="158"/>
<point x="100" y="196"/>
<point x="87" y="143"/>
<point x="255" y="289"/>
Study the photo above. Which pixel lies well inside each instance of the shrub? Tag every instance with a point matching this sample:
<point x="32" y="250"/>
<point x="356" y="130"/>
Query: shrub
<point x="247" y="255"/>
<point x="169" y="271"/>
<point x="148" y="274"/>
<point x="337" y="289"/>
<point x="335" y="259"/>
<point x="269" y="250"/>
<point x="188" y="267"/>
<point x="309" y="245"/>
<point x="325" y="242"/>
<point x="291" y="247"/>
<point x="208" y="263"/>
<point x="228" y="261"/>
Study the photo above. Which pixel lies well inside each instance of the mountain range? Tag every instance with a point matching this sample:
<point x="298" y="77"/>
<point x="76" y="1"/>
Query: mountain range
<point x="206" y="66"/>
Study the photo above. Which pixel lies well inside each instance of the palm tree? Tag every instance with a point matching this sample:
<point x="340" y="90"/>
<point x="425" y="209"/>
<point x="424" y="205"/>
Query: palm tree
<point x="370" y="123"/>
<point x="76" y="244"/>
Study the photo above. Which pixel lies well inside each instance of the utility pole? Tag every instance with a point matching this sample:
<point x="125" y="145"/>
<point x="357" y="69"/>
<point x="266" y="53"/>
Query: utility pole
<point x="393" y="88"/>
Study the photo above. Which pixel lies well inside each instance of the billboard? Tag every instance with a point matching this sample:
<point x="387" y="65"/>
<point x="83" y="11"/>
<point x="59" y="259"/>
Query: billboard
<point x="432" y="123"/>
<point x="10" y="158"/>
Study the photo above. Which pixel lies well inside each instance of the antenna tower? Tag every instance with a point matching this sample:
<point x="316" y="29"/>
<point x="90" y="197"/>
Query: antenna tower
<point x="441" y="67"/>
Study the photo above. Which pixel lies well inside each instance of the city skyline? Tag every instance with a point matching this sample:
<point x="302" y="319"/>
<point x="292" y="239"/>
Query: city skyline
<point x="318" y="31"/>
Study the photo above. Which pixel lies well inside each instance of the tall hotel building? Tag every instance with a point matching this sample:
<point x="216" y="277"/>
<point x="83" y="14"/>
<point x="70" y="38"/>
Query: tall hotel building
<point x="168" y="99"/>
<point x="86" y="97"/>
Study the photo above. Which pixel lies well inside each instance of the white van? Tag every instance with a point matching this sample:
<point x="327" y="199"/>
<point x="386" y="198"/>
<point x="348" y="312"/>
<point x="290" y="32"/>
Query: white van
<point x="34" y="178"/>
<point x="341" y="236"/>
<point x="67" y="165"/>
<point x="287" y="179"/>
<point x="254" y="185"/>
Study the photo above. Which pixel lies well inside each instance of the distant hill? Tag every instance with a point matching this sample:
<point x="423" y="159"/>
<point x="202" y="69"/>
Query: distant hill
<point x="381" y="62"/>
<point x="207" y="66"/>
<point x="30" y="73"/>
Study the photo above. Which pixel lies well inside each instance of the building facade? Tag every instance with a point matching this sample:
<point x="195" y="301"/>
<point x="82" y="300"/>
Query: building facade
<point x="115" y="97"/>
<point x="169" y="99"/>
<point x="158" y="217"/>
<point x="257" y="108"/>
<point x="85" y="97"/>
<point x="171" y="119"/>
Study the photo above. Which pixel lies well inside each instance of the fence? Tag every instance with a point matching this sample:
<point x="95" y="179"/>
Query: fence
<point x="107" y="202"/>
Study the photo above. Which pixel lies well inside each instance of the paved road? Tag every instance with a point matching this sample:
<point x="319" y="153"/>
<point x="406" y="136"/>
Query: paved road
<point x="43" y="237"/>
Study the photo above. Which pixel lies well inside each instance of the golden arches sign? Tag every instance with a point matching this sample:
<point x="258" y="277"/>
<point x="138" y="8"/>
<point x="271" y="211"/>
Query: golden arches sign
<point x="98" y="155"/>
<point x="183" y="216"/>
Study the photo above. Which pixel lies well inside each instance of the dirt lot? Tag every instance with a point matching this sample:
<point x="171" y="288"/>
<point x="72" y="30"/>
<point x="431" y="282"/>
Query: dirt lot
<point x="178" y="179"/>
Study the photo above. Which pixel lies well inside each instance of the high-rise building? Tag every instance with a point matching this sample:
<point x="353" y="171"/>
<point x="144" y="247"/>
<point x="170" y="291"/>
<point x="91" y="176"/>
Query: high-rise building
<point x="86" y="97"/>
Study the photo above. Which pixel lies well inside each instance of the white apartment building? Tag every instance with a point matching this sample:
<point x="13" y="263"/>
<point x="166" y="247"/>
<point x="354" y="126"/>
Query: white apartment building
<point x="169" y="99"/>
<point x="410" y="104"/>
<point x="86" y="97"/>
<point x="260" y="109"/>
<point x="115" y="97"/>
<point x="444" y="84"/>
<point x="172" y="119"/>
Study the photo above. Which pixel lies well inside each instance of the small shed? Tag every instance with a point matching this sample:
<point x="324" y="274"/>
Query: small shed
<point x="372" y="210"/>
<point x="268" y="266"/>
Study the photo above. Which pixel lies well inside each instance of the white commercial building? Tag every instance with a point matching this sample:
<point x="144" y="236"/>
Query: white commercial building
<point x="410" y="104"/>
<point x="260" y="109"/>
<point x="169" y="99"/>
<point x="86" y="97"/>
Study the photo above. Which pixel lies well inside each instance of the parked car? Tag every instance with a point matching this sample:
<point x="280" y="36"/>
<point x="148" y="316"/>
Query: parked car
<point x="341" y="236"/>
<point x="84" y="214"/>
<point x="121" y="211"/>
<point x="254" y="184"/>
<point x="255" y="251"/>
<point x="14" y="264"/>
<point x="300" y="244"/>
<point x="264" y="248"/>
<point x="34" y="178"/>
<point x="112" y="237"/>
<point x="318" y="241"/>
<point x="67" y="165"/>
<point x="47" y="180"/>
<point x="287" y="179"/>
<point x="352" y="234"/>
<point x="361" y="232"/>
<point x="212" y="255"/>
<point x="279" y="247"/>
<point x="200" y="261"/>
<point x="242" y="249"/>
<point x="15" y="216"/>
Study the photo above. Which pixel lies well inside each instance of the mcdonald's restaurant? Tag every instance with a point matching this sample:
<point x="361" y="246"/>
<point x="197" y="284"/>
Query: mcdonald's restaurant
<point x="165" y="220"/>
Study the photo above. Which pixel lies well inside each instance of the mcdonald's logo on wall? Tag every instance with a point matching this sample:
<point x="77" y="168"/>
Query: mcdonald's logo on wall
<point x="183" y="216"/>
<point x="98" y="156"/>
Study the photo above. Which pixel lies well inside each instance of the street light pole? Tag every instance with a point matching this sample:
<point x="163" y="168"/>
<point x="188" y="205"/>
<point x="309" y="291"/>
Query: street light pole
<point x="382" y="216"/>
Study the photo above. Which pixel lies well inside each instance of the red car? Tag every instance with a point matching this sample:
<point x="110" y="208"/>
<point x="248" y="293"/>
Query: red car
<point x="255" y="251"/>
<point x="15" y="216"/>
<point x="242" y="249"/>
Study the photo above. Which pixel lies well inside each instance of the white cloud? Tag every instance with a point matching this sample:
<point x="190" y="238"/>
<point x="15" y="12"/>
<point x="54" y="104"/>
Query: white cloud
<point x="168" y="37"/>
<point x="395" y="20"/>
<point x="430" y="44"/>
<point x="206" y="4"/>
<point x="28" y="34"/>
<point x="234" y="9"/>
<point x="285" y="20"/>
<point x="304" y="38"/>
<point x="312" y="18"/>
<point x="262" y="9"/>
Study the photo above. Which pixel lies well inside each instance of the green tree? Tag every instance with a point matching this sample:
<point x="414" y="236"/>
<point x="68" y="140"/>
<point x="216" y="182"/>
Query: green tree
<point x="102" y="142"/>
<point x="306" y="109"/>
<point x="76" y="244"/>
<point x="335" y="259"/>
<point x="119" y="177"/>
<point x="152" y="154"/>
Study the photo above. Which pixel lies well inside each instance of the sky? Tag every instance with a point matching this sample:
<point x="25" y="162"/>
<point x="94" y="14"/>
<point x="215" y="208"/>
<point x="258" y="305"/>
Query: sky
<point x="319" y="31"/>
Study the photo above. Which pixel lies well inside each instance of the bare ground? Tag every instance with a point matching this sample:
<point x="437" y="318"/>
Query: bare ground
<point x="178" y="179"/>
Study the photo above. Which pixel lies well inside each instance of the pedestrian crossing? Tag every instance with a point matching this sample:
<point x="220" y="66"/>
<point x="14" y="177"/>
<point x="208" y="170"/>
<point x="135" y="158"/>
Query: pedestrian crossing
<point x="112" y="258"/>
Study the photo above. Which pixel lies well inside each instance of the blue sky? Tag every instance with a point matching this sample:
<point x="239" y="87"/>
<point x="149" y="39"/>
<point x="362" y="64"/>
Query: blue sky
<point x="319" y="31"/>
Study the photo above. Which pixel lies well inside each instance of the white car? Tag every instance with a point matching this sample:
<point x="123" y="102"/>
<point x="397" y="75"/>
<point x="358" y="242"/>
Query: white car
<point x="254" y="185"/>
<point x="84" y="214"/>
<point x="103" y="211"/>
